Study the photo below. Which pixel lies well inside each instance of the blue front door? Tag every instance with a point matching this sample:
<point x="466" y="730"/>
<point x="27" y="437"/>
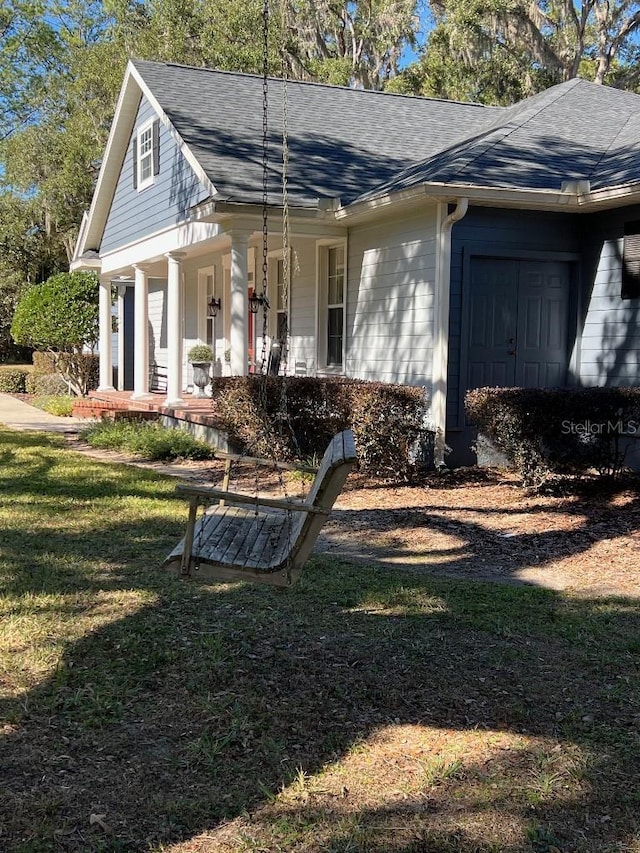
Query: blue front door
<point x="518" y="321"/>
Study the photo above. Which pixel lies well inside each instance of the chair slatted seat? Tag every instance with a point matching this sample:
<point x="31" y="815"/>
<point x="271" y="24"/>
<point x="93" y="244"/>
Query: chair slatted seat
<point x="262" y="539"/>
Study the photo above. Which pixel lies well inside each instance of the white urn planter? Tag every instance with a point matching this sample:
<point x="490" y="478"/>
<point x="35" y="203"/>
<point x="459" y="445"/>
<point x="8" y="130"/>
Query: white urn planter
<point x="201" y="377"/>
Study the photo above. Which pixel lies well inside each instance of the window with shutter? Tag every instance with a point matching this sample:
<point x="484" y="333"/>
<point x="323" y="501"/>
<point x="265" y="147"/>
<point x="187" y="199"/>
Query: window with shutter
<point x="631" y="261"/>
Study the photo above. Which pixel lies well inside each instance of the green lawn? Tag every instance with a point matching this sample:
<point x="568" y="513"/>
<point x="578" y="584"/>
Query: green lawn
<point x="363" y="710"/>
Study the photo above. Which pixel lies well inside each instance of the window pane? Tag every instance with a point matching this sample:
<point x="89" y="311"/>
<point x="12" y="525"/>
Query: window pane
<point x="146" y="141"/>
<point x="281" y="334"/>
<point x="335" y="288"/>
<point x="209" y="285"/>
<point x="145" y="168"/>
<point x="334" y="336"/>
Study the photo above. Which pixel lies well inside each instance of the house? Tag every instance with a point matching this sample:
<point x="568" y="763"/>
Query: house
<point x="433" y="243"/>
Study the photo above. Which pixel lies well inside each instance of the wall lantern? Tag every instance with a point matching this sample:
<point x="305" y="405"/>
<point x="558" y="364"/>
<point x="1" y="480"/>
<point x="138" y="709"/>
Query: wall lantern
<point x="213" y="306"/>
<point x="256" y="301"/>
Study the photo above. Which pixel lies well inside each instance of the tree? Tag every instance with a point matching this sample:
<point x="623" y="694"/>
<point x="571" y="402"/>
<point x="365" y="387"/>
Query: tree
<point x="61" y="316"/>
<point x="349" y="43"/>
<point x="498" y="51"/>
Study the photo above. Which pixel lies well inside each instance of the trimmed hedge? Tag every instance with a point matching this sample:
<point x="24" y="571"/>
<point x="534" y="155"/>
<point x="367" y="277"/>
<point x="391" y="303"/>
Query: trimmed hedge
<point x="387" y="420"/>
<point x="46" y="384"/>
<point x="86" y="366"/>
<point x="13" y="380"/>
<point x="546" y="431"/>
<point x="44" y="362"/>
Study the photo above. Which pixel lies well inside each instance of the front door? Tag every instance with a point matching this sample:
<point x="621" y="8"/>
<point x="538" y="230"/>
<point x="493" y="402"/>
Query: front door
<point x="518" y="323"/>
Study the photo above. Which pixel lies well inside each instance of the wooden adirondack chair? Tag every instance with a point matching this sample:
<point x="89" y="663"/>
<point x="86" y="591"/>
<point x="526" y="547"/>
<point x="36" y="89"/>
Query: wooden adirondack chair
<point x="266" y="540"/>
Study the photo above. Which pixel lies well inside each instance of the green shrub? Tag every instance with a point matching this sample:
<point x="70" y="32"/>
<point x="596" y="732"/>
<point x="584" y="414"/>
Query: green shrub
<point x="200" y="352"/>
<point x="13" y="380"/>
<point x="558" y="430"/>
<point x="148" y="440"/>
<point x="386" y="419"/>
<point x="56" y="404"/>
<point x="46" y="384"/>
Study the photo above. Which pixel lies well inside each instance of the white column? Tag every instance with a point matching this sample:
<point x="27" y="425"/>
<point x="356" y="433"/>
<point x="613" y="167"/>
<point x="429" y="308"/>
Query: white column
<point x="174" y="329"/>
<point x="239" y="334"/>
<point x="121" y="348"/>
<point x="140" y="334"/>
<point x="106" y="331"/>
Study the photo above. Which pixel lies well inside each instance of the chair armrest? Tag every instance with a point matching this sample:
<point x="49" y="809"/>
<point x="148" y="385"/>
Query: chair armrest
<point x="206" y="493"/>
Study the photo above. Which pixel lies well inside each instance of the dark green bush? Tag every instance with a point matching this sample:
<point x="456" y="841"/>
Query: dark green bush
<point x="558" y="430"/>
<point x="12" y="380"/>
<point x="386" y="419"/>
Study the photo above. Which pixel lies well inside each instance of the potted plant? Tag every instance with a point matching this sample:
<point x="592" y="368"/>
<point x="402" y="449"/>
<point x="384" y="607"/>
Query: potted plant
<point x="200" y="357"/>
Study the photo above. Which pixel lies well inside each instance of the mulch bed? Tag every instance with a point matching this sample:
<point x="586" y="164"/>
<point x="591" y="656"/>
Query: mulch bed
<point x="581" y="536"/>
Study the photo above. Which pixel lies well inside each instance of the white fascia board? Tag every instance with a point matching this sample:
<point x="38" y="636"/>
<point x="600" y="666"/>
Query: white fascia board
<point x="131" y="93"/>
<point x="180" y="238"/>
<point x="622" y="195"/>
<point x="303" y="221"/>
<point x="112" y="160"/>
<point x="505" y="197"/>
<point x="437" y="192"/>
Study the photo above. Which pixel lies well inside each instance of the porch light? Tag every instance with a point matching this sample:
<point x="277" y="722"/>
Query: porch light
<point x="256" y="301"/>
<point x="213" y="306"/>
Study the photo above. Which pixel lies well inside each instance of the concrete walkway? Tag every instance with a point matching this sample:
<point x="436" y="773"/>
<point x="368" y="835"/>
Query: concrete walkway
<point x="18" y="415"/>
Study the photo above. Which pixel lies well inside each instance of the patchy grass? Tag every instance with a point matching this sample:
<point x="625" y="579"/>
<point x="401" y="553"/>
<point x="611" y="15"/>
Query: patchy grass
<point x="56" y="404"/>
<point x="364" y="710"/>
<point x="148" y="440"/>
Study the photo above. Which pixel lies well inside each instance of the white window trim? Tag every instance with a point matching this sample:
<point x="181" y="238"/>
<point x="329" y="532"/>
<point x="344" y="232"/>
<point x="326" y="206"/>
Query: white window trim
<point x="203" y="319"/>
<point x="147" y="182"/>
<point x="273" y="258"/>
<point x="322" y="268"/>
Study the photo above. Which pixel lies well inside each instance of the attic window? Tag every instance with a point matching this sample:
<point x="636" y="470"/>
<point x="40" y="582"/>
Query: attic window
<point x="146" y="154"/>
<point x="631" y="261"/>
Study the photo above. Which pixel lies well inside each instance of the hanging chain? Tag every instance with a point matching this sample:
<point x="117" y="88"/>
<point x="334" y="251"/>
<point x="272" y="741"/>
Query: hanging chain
<point x="286" y="247"/>
<point x="265" y="182"/>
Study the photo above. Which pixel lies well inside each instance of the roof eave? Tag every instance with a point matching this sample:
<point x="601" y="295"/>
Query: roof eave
<point x="482" y="196"/>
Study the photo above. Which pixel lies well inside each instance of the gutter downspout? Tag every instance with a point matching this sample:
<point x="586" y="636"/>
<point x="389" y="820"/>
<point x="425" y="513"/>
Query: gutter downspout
<point x="441" y="325"/>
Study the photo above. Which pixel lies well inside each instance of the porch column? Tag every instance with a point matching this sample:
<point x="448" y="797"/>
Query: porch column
<point x="121" y="348"/>
<point x="239" y="334"/>
<point x="105" y="329"/>
<point x="140" y="334"/>
<point x="174" y="329"/>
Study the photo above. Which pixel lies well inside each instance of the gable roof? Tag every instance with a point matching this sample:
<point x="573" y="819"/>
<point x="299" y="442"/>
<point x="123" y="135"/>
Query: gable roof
<point x="342" y="142"/>
<point x="571" y="132"/>
<point x="363" y="146"/>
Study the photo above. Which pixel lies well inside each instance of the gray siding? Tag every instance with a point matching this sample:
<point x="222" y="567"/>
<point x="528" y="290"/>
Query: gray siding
<point x="610" y="346"/>
<point x="136" y="214"/>
<point x="390" y="301"/>
<point x="496" y="233"/>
